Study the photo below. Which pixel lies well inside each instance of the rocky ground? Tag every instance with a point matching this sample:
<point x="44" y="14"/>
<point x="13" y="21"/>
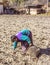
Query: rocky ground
<point x="40" y="27"/>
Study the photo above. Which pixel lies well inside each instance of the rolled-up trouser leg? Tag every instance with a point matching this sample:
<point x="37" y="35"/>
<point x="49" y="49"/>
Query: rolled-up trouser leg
<point x="24" y="45"/>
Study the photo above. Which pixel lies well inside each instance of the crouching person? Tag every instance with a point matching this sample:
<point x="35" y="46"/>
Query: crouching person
<point x="23" y="36"/>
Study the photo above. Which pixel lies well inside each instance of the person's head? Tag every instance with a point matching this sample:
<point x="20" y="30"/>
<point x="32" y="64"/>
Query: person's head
<point x="13" y="38"/>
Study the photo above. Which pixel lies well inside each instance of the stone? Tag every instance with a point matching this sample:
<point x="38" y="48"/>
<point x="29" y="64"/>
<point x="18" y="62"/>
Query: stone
<point x="33" y="51"/>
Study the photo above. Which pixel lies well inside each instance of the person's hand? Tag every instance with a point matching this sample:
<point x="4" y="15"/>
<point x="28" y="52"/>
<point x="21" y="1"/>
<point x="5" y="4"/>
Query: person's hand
<point x="31" y="45"/>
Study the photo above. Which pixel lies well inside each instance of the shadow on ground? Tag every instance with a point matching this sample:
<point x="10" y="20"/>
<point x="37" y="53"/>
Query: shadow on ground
<point x="44" y="51"/>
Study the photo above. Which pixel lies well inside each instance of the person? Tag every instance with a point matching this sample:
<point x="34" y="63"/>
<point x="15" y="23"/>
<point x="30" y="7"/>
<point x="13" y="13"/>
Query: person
<point x="23" y="36"/>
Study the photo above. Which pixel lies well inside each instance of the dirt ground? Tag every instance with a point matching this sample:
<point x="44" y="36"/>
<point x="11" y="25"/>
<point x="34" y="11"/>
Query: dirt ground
<point x="40" y="28"/>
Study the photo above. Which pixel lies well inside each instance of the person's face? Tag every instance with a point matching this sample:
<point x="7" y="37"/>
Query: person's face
<point x="15" y="39"/>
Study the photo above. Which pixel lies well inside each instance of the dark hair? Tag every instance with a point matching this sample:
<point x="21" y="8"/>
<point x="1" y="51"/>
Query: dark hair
<point x="13" y="37"/>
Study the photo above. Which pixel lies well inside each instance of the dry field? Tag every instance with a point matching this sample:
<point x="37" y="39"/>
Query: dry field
<point x="40" y="27"/>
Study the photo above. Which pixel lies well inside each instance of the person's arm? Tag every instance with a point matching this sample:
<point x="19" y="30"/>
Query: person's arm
<point x="14" y="45"/>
